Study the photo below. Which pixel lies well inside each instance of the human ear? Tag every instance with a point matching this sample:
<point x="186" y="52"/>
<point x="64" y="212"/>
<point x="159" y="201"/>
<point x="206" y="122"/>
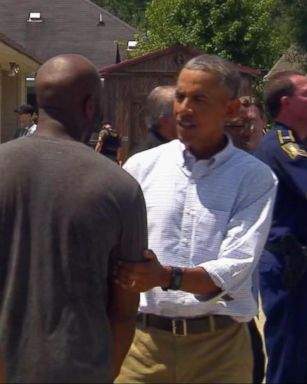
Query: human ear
<point x="89" y="107"/>
<point x="284" y="101"/>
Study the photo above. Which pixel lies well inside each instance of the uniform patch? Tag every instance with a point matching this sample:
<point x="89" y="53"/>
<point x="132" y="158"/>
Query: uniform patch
<point x="288" y="144"/>
<point x="293" y="150"/>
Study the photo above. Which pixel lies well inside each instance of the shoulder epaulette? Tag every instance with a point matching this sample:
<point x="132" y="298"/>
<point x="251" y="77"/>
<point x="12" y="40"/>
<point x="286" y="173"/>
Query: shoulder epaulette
<point x="289" y="145"/>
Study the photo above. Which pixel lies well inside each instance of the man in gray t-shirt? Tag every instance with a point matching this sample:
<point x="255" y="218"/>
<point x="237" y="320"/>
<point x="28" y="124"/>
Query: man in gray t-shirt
<point x="67" y="214"/>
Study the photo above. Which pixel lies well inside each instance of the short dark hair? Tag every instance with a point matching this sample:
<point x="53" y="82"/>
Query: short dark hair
<point x="224" y="71"/>
<point x="277" y="86"/>
<point x="25" y="109"/>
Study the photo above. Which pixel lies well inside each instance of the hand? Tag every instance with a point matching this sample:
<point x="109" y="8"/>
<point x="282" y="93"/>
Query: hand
<point x="142" y="276"/>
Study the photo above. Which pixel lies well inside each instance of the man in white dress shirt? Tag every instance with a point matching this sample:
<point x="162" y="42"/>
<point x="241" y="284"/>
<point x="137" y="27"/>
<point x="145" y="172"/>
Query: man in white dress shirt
<point x="209" y="209"/>
<point x="26" y="121"/>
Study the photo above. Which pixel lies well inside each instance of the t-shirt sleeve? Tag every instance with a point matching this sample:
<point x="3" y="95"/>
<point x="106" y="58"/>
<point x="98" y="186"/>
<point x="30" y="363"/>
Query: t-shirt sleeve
<point x="134" y="228"/>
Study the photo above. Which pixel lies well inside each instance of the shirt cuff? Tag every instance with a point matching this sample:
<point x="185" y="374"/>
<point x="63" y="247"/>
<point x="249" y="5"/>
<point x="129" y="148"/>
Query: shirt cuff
<point x="219" y="273"/>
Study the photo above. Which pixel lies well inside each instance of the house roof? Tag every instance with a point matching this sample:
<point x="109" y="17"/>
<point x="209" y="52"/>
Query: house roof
<point x="293" y="59"/>
<point x="165" y="51"/>
<point x="67" y="26"/>
<point x="17" y="47"/>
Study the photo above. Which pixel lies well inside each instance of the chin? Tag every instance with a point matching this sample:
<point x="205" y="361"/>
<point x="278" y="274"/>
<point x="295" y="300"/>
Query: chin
<point x="185" y="136"/>
<point x="188" y="143"/>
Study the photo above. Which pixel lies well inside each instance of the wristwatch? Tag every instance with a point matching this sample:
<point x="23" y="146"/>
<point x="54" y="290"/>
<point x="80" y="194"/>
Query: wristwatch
<point x="176" y="279"/>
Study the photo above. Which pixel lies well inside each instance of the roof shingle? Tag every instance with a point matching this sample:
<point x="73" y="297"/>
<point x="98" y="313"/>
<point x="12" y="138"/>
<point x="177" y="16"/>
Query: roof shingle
<point x="68" y="26"/>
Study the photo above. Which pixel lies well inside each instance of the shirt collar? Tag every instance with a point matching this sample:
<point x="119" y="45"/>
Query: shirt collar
<point x="187" y="160"/>
<point x="281" y="126"/>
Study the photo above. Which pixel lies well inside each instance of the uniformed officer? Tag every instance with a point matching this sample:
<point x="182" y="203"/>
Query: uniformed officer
<point x="283" y="266"/>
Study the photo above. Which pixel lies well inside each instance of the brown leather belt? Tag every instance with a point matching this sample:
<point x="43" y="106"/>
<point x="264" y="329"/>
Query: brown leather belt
<point x="185" y="326"/>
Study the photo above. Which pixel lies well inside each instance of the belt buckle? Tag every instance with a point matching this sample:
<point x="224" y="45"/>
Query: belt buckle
<point x="175" y="327"/>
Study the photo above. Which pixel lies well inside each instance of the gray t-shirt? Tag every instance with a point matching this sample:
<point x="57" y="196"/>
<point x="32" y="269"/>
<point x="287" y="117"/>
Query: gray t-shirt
<point x="66" y="214"/>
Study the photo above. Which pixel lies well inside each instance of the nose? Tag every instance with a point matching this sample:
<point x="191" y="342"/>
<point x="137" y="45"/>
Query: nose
<point x="184" y="106"/>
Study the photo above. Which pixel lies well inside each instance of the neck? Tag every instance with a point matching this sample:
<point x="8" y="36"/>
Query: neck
<point x="205" y="153"/>
<point x="49" y="127"/>
<point x="158" y="134"/>
<point x="167" y="133"/>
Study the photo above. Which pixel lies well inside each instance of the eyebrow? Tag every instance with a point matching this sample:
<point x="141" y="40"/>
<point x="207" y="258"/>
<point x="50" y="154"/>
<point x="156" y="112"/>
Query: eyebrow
<point x="199" y="94"/>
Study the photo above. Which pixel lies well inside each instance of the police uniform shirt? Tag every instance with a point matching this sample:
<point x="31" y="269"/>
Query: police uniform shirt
<point x="287" y="157"/>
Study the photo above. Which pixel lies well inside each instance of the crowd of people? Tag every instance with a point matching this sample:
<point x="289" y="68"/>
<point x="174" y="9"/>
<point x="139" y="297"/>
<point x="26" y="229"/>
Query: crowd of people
<point x="151" y="272"/>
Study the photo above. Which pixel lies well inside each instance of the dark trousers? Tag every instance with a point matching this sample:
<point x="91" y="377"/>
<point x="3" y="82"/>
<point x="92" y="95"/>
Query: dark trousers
<point x="258" y="354"/>
<point x="285" y="329"/>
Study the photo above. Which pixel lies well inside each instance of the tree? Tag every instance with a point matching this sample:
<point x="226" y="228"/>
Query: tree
<point x="296" y="11"/>
<point x="131" y="11"/>
<point x="239" y="30"/>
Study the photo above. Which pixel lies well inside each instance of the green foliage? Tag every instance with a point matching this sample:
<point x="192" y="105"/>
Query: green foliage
<point x="250" y="32"/>
<point x="131" y="11"/>
<point x="245" y="31"/>
<point x="296" y="11"/>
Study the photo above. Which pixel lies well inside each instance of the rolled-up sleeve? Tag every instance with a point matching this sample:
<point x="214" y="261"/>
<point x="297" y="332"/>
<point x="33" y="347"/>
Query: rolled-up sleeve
<point x="247" y="231"/>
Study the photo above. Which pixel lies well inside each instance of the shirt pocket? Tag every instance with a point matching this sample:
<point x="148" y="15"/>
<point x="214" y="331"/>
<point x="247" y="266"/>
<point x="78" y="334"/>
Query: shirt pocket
<point x="210" y="230"/>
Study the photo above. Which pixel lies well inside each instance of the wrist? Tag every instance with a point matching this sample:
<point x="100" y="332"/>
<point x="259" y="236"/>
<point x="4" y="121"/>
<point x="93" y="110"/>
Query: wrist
<point x="166" y="277"/>
<point x="174" y="280"/>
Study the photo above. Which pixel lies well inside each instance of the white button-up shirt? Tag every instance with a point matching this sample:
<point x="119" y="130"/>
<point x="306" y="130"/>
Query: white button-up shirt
<point x="213" y="213"/>
<point x="31" y="129"/>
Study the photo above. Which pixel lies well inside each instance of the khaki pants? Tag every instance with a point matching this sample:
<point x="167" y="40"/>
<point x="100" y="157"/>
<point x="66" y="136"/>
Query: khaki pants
<point x="223" y="356"/>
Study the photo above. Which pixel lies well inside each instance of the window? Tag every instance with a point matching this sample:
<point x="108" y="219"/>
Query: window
<point x="131" y="45"/>
<point x="34" y="17"/>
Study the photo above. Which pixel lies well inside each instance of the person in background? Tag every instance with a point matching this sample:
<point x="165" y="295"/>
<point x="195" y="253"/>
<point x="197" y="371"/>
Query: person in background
<point x="159" y="118"/>
<point x="67" y="214"/>
<point x="26" y="116"/>
<point x="283" y="265"/>
<point x="248" y="128"/>
<point x="107" y="142"/>
<point x="209" y="208"/>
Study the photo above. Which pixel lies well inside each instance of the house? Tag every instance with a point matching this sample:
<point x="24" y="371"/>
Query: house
<point x="16" y="64"/>
<point x="42" y="29"/>
<point x="127" y="84"/>
<point x="48" y="28"/>
<point x="294" y="59"/>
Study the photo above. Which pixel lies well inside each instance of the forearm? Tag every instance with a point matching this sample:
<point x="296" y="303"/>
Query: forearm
<point x="194" y="280"/>
<point x="123" y="329"/>
<point x="141" y="277"/>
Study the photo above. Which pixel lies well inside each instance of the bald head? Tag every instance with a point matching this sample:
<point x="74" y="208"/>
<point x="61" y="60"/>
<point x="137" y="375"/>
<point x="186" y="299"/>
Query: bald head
<point x="69" y="95"/>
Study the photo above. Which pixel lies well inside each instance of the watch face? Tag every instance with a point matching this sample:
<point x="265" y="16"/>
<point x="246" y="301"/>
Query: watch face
<point x="176" y="278"/>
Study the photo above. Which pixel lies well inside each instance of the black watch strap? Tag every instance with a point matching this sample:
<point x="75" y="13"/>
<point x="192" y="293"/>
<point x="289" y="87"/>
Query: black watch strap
<point x="176" y="279"/>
